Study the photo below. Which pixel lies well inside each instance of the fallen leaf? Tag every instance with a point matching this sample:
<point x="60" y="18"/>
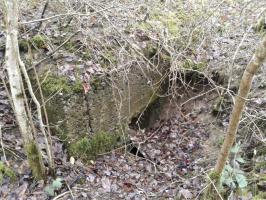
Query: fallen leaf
<point x="86" y="87"/>
<point x="128" y="187"/>
<point x="72" y="160"/>
<point x="184" y="193"/>
<point x="106" y="184"/>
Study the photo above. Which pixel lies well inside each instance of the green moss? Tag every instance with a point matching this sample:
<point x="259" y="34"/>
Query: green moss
<point x="64" y="122"/>
<point x="88" y="148"/>
<point x="82" y="180"/>
<point x="97" y="83"/>
<point x="169" y="20"/>
<point x="23" y="45"/>
<point x="244" y="193"/>
<point x="38" y="41"/>
<point x="150" y="50"/>
<point x="35" y="160"/>
<point x="56" y="114"/>
<point x="87" y="54"/>
<point x="159" y="20"/>
<point x="260" y="165"/>
<point x="53" y="84"/>
<point x="260" y="26"/>
<point x="173" y="21"/>
<point x="190" y="64"/>
<point x="261" y="151"/>
<point x="143" y="26"/>
<point x="260" y="196"/>
<point x="2" y="45"/>
<point x="220" y="141"/>
<point x="210" y="192"/>
<point x="219" y="105"/>
<point x="6" y="171"/>
<point x="109" y="58"/>
<point x="70" y="46"/>
<point x="77" y="87"/>
<point x="165" y="58"/>
<point x="214" y="176"/>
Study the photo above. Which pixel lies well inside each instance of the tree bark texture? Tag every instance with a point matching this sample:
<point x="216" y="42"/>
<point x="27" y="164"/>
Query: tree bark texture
<point x="244" y="88"/>
<point x="16" y="88"/>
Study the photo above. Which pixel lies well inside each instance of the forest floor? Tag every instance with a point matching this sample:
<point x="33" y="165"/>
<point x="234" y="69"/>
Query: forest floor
<point x="175" y="156"/>
<point x="176" y="153"/>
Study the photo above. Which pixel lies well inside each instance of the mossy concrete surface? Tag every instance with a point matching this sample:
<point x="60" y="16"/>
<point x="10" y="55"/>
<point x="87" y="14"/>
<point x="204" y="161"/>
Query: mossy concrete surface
<point x="88" y="148"/>
<point x="88" y="120"/>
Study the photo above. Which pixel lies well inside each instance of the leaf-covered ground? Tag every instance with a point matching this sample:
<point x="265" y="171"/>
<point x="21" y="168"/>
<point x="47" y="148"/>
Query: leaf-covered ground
<point x="174" y="164"/>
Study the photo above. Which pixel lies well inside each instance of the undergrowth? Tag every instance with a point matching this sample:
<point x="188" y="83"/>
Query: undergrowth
<point x="5" y="171"/>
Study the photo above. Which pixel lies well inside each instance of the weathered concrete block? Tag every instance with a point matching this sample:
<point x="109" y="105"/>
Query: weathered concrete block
<point x="111" y="102"/>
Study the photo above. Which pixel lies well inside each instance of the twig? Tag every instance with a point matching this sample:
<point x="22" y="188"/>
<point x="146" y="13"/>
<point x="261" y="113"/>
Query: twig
<point x="204" y="188"/>
<point x="42" y="15"/>
<point x="231" y="67"/>
<point x="16" y="153"/>
<point x="66" y="14"/>
<point x="2" y="145"/>
<point x="27" y="79"/>
<point x="214" y="187"/>
<point x="195" y="97"/>
<point x="28" y="110"/>
<point x="53" y="95"/>
<point x="52" y="53"/>
<point x="70" y="191"/>
<point x="44" y="111"/>
<point x="61" y="195"/>
<point x="7" y="92"/>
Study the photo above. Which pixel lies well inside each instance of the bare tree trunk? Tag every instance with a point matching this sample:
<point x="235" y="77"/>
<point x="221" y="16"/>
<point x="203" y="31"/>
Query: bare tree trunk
<point x="15" y="81"/>
<point x="245" y="85"/>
